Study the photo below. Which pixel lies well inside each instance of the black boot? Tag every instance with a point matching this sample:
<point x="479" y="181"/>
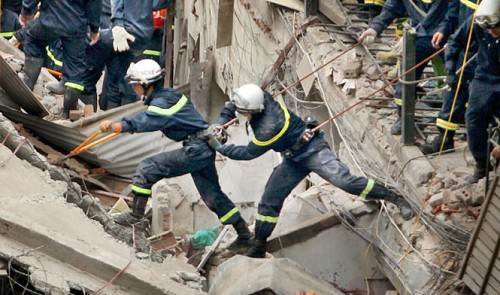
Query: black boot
<point x="404" y="208"/>
<point x="479" y="173"/>
<point x="137" y="213"/>
<point x="435" y="144"/>
<point x="31" y="71"/>
<point x="70" y="101"/>
<point x="258" y="249"/>
<point x="244" y="239"/>
<point x="90" y="99"/>
<point x="396" y="126"/>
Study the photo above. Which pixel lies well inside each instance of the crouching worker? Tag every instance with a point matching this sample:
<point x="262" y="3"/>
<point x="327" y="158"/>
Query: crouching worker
<point x="172" y="113"/>
<point x="277" y="128"/>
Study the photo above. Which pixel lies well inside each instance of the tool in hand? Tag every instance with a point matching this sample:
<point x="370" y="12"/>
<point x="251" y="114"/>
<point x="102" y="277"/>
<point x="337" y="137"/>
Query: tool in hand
<point x="87" y="144"/>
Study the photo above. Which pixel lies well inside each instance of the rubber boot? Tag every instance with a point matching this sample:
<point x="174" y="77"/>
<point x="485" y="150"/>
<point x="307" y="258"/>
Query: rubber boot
<point x="70" y="101"/>
<point x="137" y="214"/>
<point x="396" y="126"/>
<point x="258" y="249"/>
<point x="56" y="87"/>
<point x="435" y="145"/>
<point x="393" y="73"/>
<point x="90" y="99"/>
<point x="404" y="208"/>
<point x="31" y="71"/>
<point x="479" y="172"/>
<point x="244" y="239"/>
<point x="112" y="105"/>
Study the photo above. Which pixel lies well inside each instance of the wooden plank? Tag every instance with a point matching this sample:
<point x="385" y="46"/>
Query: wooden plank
<point x="478" y="268"/>
<point x="292" y="4"/>
<point x="478" y="255"/>
<point x="486" y="227"/>
<point x="496" y="200"/>
<point x="493" y="284"/>
<point x="225" y="23"/>
<point x="494" y="221"/>
<point x="19" y="92"/>
<point x="481" y="246"/>
<point x="333" y="11"/>
<point x="493" y="209"/>
<point x="475" y="287"/>
<point x="483" y="236"/>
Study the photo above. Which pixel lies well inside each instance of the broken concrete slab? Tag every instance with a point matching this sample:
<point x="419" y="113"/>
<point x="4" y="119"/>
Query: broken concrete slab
<point x="276" y="275"/>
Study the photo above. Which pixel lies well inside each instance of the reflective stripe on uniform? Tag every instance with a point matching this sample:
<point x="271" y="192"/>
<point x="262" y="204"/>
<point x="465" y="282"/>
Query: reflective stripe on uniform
<point x="368" y="188"/>
<point x="229" y="215"/>
<point x="53" y="58"/>
<point x="7" y="34"/>
<point x="152" y="52"/>
<point x="398" y="101"/>
<point x="375" y="2"/>
<point x="74" y="85"/>
<point x="470" y="4"/>
<point x="269" y="219"/>
<point x="170" y="111"/>
<point x="277" y="136"/>
<point x="427" y="1"/>
<point x="447" y="125"/>
<point x="141" y="190"/>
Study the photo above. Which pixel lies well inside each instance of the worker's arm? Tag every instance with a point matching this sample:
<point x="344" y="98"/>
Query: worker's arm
<point x="227" y="114"/>
<point x="241" y="152"/>
<point x="392" y="9"/>
<point x="28" y="10"/>
<point x="93" y="11"/>
<point x="447" y="25"/>
<point x="160" y="4"/>
<point x="117" y="12"/>
<point x="457" y="44"/>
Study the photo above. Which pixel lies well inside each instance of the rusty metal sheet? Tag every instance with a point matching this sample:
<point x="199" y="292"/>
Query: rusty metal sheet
<point x="119" y="156"/>
<point x="16" y="88"/>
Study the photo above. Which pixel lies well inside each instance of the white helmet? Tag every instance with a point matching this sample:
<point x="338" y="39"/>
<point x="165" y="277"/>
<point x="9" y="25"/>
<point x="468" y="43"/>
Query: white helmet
<point x="144" y="72"/>
<point x="488" y="14"/>
<point x="249" y="98"/>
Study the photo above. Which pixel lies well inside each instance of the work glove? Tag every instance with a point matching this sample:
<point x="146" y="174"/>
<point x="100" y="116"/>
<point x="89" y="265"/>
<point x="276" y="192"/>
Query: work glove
<point x="214" y="142"/>
<point x="218" y="132"/>
<point x="121" y="38"/>
<point x="108" y="126"/>
<point x="13" y="41"/>
<point x="398" y="48"/>
<point x="368" y="36"/>
<point x="452" y="80"/>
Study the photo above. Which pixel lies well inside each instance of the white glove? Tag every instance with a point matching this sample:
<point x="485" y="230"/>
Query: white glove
<point x="368" y="36"/>
<point x="13" y="41"/>
<point x="398" y="48"/>
<point x="120" y="39"/>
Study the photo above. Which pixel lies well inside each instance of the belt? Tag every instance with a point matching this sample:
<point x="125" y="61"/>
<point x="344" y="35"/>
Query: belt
<point x="289" y="152"/>
<point x="201" y="134"/>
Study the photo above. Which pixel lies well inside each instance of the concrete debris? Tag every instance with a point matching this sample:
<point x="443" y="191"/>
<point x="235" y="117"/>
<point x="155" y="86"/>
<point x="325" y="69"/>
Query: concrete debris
<point x="276" y="275"/>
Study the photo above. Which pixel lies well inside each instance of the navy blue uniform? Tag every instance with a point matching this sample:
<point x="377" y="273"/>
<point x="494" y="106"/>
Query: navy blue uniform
<point x="426" y="26"/>
<point x="69" y="21"/>
<point x="9" y="24"/>
<point x="484" y="96"/>
<point x="175" y="116"/>
<point x="276" y="128"/>
<point x="457" y="15"/>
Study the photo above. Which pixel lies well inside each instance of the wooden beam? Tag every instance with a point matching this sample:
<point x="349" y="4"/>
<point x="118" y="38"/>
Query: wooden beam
<point x="225" y="23"/>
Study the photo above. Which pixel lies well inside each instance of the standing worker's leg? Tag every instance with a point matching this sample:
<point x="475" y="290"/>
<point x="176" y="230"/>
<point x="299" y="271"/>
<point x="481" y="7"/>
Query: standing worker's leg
<point x="73" y="70"/>
<point x="329" y="167"/>
<point x="483" y="103"/>
<point x="207" y="183"/>
<point x="37" y="39"/>
<point x="281" y="182"/>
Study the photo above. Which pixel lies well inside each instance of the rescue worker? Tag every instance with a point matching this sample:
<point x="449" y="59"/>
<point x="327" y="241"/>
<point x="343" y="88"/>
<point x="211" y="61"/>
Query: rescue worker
<point x="277" y="128"/>
<point x="427" y="18"/>
<point x="458" y="13"/>
<point x="484" y="96"/>
<point x="132" y="28"/>
<point x="66" y="20"/>
<point x="374" y="7"/>
<point x="172" y="113"/>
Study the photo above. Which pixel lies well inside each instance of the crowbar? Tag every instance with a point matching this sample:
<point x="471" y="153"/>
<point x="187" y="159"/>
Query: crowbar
<point x="87" y="144"/>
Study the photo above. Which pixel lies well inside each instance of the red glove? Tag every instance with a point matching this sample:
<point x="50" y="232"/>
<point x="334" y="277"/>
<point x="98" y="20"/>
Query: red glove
<point x="108" y="126"/>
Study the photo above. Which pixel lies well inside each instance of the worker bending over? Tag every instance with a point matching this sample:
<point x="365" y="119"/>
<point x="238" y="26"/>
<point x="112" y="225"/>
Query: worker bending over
<point x="277" y="128"/>
<point x="174" y="115"/>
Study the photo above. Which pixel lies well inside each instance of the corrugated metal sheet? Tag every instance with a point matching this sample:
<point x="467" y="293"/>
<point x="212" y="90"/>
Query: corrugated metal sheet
<point x="15" y="87"/>
<point x="119" y="156"/>
<point x="481" y="266"/>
